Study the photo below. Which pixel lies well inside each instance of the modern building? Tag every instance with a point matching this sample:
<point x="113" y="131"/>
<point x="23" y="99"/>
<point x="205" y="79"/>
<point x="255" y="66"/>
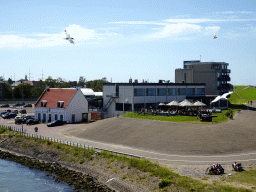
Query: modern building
<point x="214" y="74"/>
<point x="118" y="98"/>
<point x="66" y="104"/>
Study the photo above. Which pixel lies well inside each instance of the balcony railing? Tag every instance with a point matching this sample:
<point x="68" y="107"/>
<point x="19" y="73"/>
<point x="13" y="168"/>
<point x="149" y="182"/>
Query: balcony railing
<point x="224" y="78"/>
<point x="226" y="71"/>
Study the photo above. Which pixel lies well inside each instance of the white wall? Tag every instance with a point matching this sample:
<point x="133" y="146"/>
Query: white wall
<point x="77" y="105"/>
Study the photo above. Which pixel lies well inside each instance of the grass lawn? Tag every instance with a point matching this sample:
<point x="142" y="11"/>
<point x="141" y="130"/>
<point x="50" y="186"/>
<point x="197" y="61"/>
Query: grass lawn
<point x="241" y="95"/>
<point x="187" y="119"/>
<point x="245" y="178"/>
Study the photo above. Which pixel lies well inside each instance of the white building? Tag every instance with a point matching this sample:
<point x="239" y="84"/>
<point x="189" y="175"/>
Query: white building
<point x="67" y="104"/>
<point x="118" y="98"/>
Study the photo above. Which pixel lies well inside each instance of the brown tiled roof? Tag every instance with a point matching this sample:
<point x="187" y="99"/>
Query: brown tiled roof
<point x="54" y="95"/>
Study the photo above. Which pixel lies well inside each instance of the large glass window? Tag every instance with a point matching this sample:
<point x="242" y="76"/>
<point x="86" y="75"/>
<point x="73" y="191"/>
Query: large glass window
<point x="151" y="92"/>
<point x="138" y="92"/>
<point x="171" y="91"/>
<point x="161" y="92"/>
<point x="191" y="91"/>
<point x="127" y="107"/>
<point x="181" y="91"/>
<point x="200" y="91"/>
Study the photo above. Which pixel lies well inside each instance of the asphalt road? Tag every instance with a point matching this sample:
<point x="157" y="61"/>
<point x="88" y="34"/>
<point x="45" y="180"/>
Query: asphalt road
<point x="167" y="142"/>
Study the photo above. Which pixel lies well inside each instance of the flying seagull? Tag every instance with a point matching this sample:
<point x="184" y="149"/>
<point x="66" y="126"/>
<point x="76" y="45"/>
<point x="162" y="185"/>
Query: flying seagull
<point x="214" y="36"/>
<point x="70" y="39"/>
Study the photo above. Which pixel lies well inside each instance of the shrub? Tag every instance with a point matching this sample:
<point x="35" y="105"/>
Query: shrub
<point x="81" y="161"/>
<point x="164" y="183"/>
<point x="10" y="135"/>
<point x="94" y="163"/>
<point x="2" y="130"/>
<point x="25" y="145"/>
<point x="124" y="177"/>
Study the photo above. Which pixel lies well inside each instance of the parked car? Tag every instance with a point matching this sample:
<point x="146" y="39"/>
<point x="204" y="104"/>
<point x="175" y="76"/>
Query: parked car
<point x="8" y="110"/>
<point x="23" y="111"/>
<point x="18" y="104"/>
<point x="15" y="111"/>
<point x="23" y="119"/>
<point x="28" y="105"/>
<point x="3" y="113"/>
<point x="31" y="122"/>
<point x="55" y="123"/>
<point x="5" y="105"/>
<point x="29" y="117"/>
<point x="9" y="115"/>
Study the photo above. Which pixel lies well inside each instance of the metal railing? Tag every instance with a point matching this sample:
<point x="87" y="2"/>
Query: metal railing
<point x="70" y="143"/>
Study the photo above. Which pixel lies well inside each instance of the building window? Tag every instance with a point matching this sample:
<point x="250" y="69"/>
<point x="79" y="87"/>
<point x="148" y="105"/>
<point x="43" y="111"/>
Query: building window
<point x="119" y="106"/>
<point x="181" y="91"/>
<point x="191" y="91"/>
<point x="139" y="92"/>
<point x="43" y="103"/>
<point x="161" y="92"/>
<point x="56" y="117"/>
<point x="151" y="92"/>
<point x="200" y="91"/>
<point x="60" y="104"/>
<point x="127" y="107"/>
<point x="171" y="91"/>
<point x="61" y="117"/>
<point x="50" y="118"/>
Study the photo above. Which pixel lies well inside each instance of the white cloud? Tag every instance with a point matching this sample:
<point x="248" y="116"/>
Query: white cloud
<point x="79" y="33"/>
<point x="139" y="22"/>
<point x="14" y="41"/>
<point x="211" y="30"/>
<point x="176" y="29"/>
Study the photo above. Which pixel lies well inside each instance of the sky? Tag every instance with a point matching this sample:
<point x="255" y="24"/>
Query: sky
<point x="116" y="39"/>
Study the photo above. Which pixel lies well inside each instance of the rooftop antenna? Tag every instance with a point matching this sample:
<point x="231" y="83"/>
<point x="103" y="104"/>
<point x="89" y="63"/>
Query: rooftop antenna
<point x="200" y="58"/>
<point x="14" y="77"/>
<point x="29" y="75"/>
<point x="42" y="75"/>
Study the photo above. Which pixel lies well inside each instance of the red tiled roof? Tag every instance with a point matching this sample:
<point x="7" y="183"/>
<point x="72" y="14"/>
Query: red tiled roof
<point x="54" y="95"/>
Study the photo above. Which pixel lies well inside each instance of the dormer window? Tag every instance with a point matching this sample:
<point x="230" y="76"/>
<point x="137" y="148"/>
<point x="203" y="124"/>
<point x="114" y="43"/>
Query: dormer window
<point x="60" y="104"/>
<point x="43" y="103"/>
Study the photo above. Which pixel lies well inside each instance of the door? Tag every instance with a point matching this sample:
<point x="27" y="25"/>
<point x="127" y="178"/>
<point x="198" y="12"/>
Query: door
<point x="44" y="118"/>
<point x="84" y="117"/>
<point x="50" y="118"/>
<point x="73" y="118"/>
<point x="39" y="117"/>
<point x="61" y="117"/>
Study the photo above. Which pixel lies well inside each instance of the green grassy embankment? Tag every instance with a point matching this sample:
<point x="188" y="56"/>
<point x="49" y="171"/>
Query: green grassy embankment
<point x="242" y="94"/>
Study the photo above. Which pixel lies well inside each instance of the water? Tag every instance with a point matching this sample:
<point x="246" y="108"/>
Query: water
<point x="15" y="177"/>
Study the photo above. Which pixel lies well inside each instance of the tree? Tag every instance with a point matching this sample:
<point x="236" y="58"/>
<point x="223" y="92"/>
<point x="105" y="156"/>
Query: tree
<point x="9" y="91"/>
<point x="1" y="78"/>
<point x="82" y="81"/>
<point x="96" y="85"/>
<point x="23" y="90"/>
<point x="38" y="90"/>
<point x="10" y="81"/>
<point x="51" y="82"/>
